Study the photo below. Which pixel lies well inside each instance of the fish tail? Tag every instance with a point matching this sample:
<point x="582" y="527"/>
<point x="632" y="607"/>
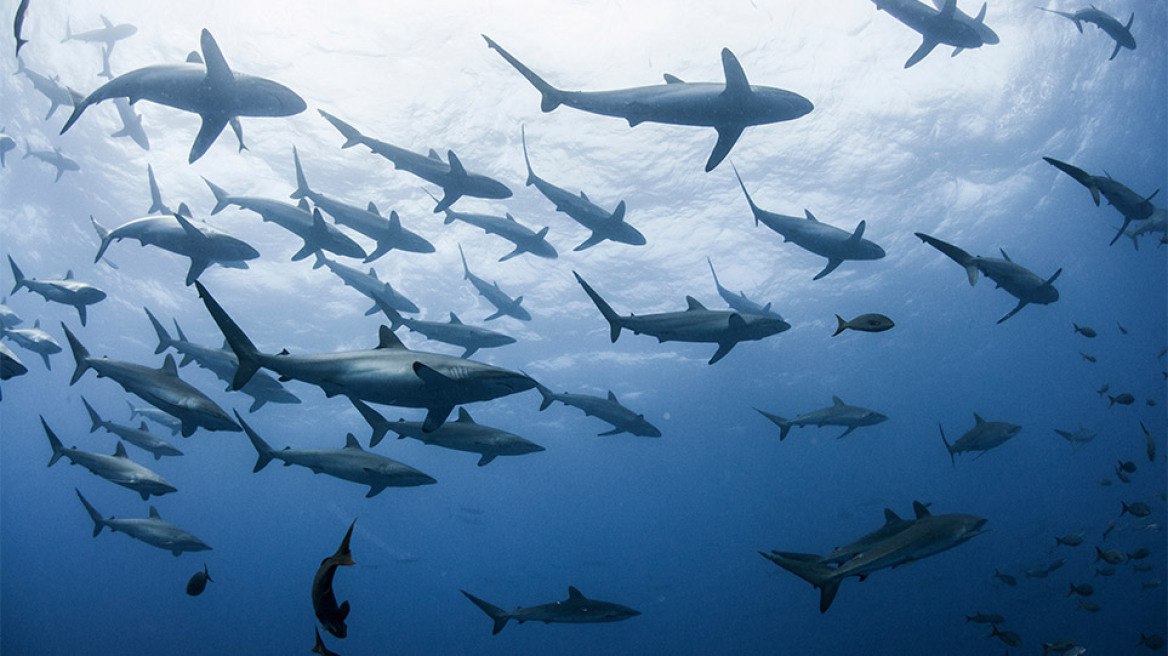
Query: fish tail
<point x="954" y="253"/>
<point x="526" y="160"/>
<point x="302" y="189"/>
<point x="80" y="354"/>
<point x="222" y="199"/>
<point x="17" y="274"/>
<point x="817" y="574"/>
<point x="497" y="614"/>
<point x="54" y="442"/>
<point x="548" y="397"/>
<point x="263" y="449"/>
<point x="243" y="347"/>
<point x="98" y="522"/>
<point x="343" y="556"/>
<point x="103" y="234"/>
<point x="351" y="134"/>
<point x="377" y="422"/>
<point x="610" y="315"/>
<point x="93" y="416"/>
<point x="842" y="325"/>
<point x="947" y="445"/>
<point x="164" y="339"/>
<point x="754" y="209"/>
<point x="551" y="96"/>
<point x="783" y="423"/>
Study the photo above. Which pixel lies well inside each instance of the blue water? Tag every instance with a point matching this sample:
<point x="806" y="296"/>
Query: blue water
<point x="671" y="526"/>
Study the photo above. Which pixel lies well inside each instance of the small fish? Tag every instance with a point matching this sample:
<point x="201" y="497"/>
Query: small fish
<point x="985" y="618"/>
<point x="1055" y="565"/>
<point x="868" y="323"/>
<point x="1121" y="328"/>
<point x="1127" y="466"/>
<point x="1111" y="556"/>
<point x="1122" y="399"/>
<point x="1089" y="606"/>
<point x="1105" y="571"/>
<point x="1058" y="646"/>
<point x="1085" y="331"/>
<point x="1104" y="482"/>
<point x="1008" y="637"/>
<point x="198" y="582"/>
<point x="1139" y="509"/>
<point x="1139" y="554"/>
<point x="1154" y="641"/>
<point x="1088" y="358"/>
<point x="1084" y="590"/>
<point x="1072" y="540"/>
<point x="1121" y="475"/>
<point x="1151" y="443"/>
<point x="1103" y="390"/>
<point x="1005" y="578"/>
<point x="1151" y="403"/>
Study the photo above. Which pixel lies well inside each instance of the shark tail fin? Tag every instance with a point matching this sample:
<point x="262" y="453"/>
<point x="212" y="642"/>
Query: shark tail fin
<point x="497" y="614"/>
<point x="610" y="315"/>
<point x="243" y="347"/>
<point x="783" y="423"/>
<point x="547" y="397"/>
<point x="376" y="422"/>
<point x="93" y="416"/>
<point x="351" y="134"/>
<point x="222" y="199"/>
<point x="103" y="234"/>
<point x="526" y="160"/>
<point x="17" y="274"/>
<point x="98" y="522"/>
<point x="754" y="209"/>
<point x="54" y="442"/>
<point x="551" y="96"/>
<point x="954" y="253"/>
<point x="843" y="325"/>
<point x="164" y="339"/>
<point x="80" y="354"/>
<point x="302" y="188"/>
<point x="948" y="447"/>
<point x="815" y="573"/>
<point x="156" y="204"/>
<point x="263" y="449"/>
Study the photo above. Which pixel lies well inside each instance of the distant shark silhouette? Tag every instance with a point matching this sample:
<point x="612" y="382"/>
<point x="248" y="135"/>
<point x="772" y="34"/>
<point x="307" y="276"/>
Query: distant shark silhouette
<point x="1104" y="21"/>
<point x="936" y="26"/>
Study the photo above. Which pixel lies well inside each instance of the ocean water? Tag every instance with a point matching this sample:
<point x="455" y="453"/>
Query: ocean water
<point x="669" y="526"/>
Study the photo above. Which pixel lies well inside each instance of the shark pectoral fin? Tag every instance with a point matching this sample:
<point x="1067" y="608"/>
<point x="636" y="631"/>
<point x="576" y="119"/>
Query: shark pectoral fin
<point x="590" y="242"/>
<point x="198" y="266"/>
<point x="1115" y="52"/>
<point x="305" y="251"/>
<point x="925" y="48"/>
<point x="614" y="431"/>
<point x="727" y="137"/>
<point x="956" y="51"/>
<point x="723" y="349"/>
<point x="1021" y="304"/>
<point x="486" y="459"/>
<point x="435" y="417"/>
<point x="845" y="433"/>
<point x="496" y="315"/>
<point x="208" y="133"/>
<point x="831" y="266"/>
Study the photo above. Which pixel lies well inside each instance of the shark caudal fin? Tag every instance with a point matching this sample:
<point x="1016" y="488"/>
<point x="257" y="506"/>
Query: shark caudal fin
<point x="238" y="341"/>
<point x="497" y="614"/>
<point x="351" y="134"/>
<point x="948" y="447"/>
<point x="80" y="354"/>
<point x="302" y="189"/>
<point x="17" y="275"/>
<point x="523" y="139"/>
<point x="263" y="450"/>
<point x="156" y="204"/>
<point x="93" y="416"/>
<point x="54" y="442"/>
<point x="379" y="424"/>
<point x="754" y="209"/>
<point x="954" y="253"/>
<point x="164" y="339"/>
<point x="614" y="322"/>
<point x="1080" y="176"/>
<point x="547" y="397"/>
<point x="551" y="96"/>
<point x="817" y="574"/>
<point x="98" y="522"/>
<point x="222" y="198"/>
<point x="103" y="234"/>
<point x="783" y="423"/>
<point x="843" y="325"/>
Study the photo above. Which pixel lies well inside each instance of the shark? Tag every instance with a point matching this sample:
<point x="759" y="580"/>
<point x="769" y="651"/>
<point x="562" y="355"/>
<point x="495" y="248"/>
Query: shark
<point x="462" y="434"/>
<point x="505" y="306"/>
<point x="1110" y="25"/>
<point x="54" y="158"/>
<point x="131" y="124"/>
<point x="108" y="34"/>
<point x="603" y="224"/>
<point x="1077" y="438"/>
<point x="66" y="292"/>
<point x="211" y="90"/>
<point x="576" y="609"/>
<point x="988" y="36"/>
<point x="58" y="94"/>
<point x="837" y="414"/>
<point x="140" y="437"/>
<point x="117" y="469"/>
<point x="1158" y="222"/>
<point x="10" y="365"/>
<point x="201" y="243"/>
<point x="377" y="290"/>
<point x="350" y="463"/>
<point x="161" y="388"/>
<point x="525" y="239"/>
<point x="936" y="26"/>
<point x="694" y="324"/>
<point x="262" y="388"/>
<point x="893" y="524"/>
<point x="152" y="530"/>
<point x="739" y="301"/>
<point x="470" y="338"/>
<point x="451" y="175"/>
<point x="389" y="374"/>
<point x="157" y="416"/>
<point x="728" y="107"/>
<point x="324" y="601"/>
<point x="1130" y="204"/>
<point x="926" y="536"/>
<point x="307" y="224"/>
<point x="820" y="238"/>
<point x="389" y="234"/>
<point x="1020" y="282"/>
<point x="34" y="339"/>
<point x="608" y="409"/>
<point x="984" y="436"/>
<point x="8" y="316"/>
<point x="18" y="26"/>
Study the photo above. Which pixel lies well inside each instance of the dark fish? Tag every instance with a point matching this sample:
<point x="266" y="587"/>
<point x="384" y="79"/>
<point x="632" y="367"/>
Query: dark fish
<point x="1072" y="540"/>
<point x="1122" y="399"/>
<point x="1127" y="465"/>
<point x="1151" y="443"/>
<point x="1005" y="578"/>
<point x="1111" y="556"/>
<point x="1154" y="641"/>
<point x="868" y="323"/>
<point x="1121" y="328"/>
<point x="319" y="648"/>
<point x="985" y="618"/>
<point x="324" y="602"/>
<point x="1139" y="554"/>
<point x="18" y="25"/>
<point x="1139" y="509"/>
<point x="1087" y="357"/>
<point x="1084" y="590"/>
<point x="1008" y="637"/>
<point x="1103" y="390"/>
<point x="198" y="582"/>
<point x="1085" y="331"/>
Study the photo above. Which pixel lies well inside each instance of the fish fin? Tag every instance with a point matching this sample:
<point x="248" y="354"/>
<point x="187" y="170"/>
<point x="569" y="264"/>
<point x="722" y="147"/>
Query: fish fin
<point x="921" y="52"/>
<point x="208" y="133"/>
<point x="843" y="325"/>
<point x="727" y="137"/>
<point x="486" y="459"/>
<point x="832" y="264"/>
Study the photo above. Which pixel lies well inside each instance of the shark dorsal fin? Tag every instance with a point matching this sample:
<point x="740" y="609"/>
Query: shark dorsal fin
<point x="373" y="273"/>
<point x="154" y="513"/>
<point x="612" y="397"/>
<point x="218" y="72"/>
<point x="890" y="516"/>
<point x="464" y="417"/>
<point x="835" y="400"/>
<point x="921" y="510"/>
<point x="169" y="367"/>
<point x="143" y="427"/>
<point x="977" y="418"/>
<point x="509" y="217"/>
<point x="193" y="57"/>
<point x="36" y="324"/>
<point x="373" y="208"/>
<point x="859" y="233"/>
<point x="673" y="79"/>
<point x="573" y="593"/>
<point x="810" y="216"/>
<point x="387" y="340"/>
<point x="1005" y="256"/>
<point x="584" y="196"/>
<point x="949" y="9"/>
<point x="105" y="21"/>
<point x="69" y="274"/>
<point x="456" y="167"/>
<point x="736" y="84"/>
<point x="434" y="155"/>
<point x="303" y="204"/>
<point x="394" y="221"/>
<point x="454" y="318"/>
<point x="351" y="442"/>
<point x="693" y="304"/>
<point x="183" y="210"/>
<point x="120" y="451"/>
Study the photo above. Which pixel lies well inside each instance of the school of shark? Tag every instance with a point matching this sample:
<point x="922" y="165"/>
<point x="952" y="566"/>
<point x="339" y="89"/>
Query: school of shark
<point x="472" y="285"/>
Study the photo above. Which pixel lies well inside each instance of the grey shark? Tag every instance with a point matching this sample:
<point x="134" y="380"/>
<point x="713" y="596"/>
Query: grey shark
<point x="380" y="292"/>
<point x="603" y="224"/>
<point x="152" y="530"/>
<point x="1018" y="281"/>
<point x="139" y="437"/>
<point x="524" y="239"/>
<point x="58" y="94"/>
<point x="926" y="536"/>
<point x="505" y="306"/>
<point x="452" y="176"/>
<point x="984" y="436"/>
<point x="390" y="374"/>
<point x="203" y="244"/>
<point x="10" y="365"/>
<point x="1131" y="205"/>
<point x="470" y="338"/>
<point x="33" y="339"/>
<point x="173" y="424"/>
<point x="108" y="35"/>
<point x="131" y="124"/>
<point x="117" y="469"/>
<point x="1156" y="223"/>
<point x="462" y="434"/>
<point x="324" y="601"/>
<point x="54" y="158"/>
<point x="728" y="107"/>
<point x="262" y="388"/>
<point x="837" y="414"/>
<point x="66" y="292"/>
<point x="8" y="316"/>
<point x="351" y="463"/>
<point x="307" y="224"/>
<point x="608" y="409"/>
<point x="1109" y="24"/>
<point x="1077" y="438"/>
<point x="389" y="234"/>
<point x="936" y="26"/>
<point x="893" y="524"/>
<point x="988" y="36"/>
<point x="576" y="609"/>
<point x="161" y="388"/>
<point x="211" y="90"/>
<point x="739" y="301"/>
<point x="820" y="238"/>
<point x="694" y="324"/>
